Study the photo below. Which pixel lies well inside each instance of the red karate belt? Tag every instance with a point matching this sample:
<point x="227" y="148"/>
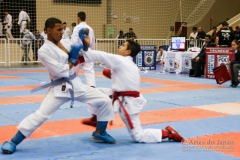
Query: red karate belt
<point x="116" y="96"/>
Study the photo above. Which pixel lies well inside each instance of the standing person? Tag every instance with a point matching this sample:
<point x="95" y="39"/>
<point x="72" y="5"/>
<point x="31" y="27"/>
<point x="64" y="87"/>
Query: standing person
<point x="121" y="37"/>
<point x="236" y="33"/>
<point x="23" y="20"/>
<point x="193" y="37"/>
<point x="66" y="31"/>
<point x="26" y="42"/>
<point x="58" y="57"/>
<point x="200" y="37"/>
<point x="44" y="34"/>
<point x="88" y="67"/>
<point x="8" y="25"/>
<point x="73" y="25"/>
<point x="201" y="34"/>
<point x="235" y="64"/>
<point x="127" y="99"/>
<point x="224" y="36"/>
<point x="214" y="33"/>
<point x="130" y="35"/>
<point x="36" y="44"/>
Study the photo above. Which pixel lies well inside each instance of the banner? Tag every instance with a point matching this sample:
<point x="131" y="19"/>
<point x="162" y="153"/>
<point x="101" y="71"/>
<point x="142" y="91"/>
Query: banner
<point x="215" y="57"/>
<point x="146" y="58"/>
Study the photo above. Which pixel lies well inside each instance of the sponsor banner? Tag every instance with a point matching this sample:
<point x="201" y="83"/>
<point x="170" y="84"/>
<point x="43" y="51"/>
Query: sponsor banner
<point x="146" y="58"/>
<point x="211" y="62"/>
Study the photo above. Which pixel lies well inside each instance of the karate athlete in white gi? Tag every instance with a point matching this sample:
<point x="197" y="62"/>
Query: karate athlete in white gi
<point x="8" y="25"/>
<point x="23" y="20"/>
<point x="58" y="57"/>
<point x="88" y="67"/>
<point x="127" y="99"/>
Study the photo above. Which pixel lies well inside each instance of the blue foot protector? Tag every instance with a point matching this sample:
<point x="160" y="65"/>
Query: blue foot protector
<point x="8" y="147"/>
<point x="105" y="137"/>
<point x="81" y="34"/>
<point x="101" y="134"/>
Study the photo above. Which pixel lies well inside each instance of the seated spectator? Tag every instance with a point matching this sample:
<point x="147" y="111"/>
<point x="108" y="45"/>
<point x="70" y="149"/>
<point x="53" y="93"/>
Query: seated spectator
<point x="130" y="35"/>
<point x="199" y="61"/>
<point x="235" y="64"/>
<point x="160" y="57"/>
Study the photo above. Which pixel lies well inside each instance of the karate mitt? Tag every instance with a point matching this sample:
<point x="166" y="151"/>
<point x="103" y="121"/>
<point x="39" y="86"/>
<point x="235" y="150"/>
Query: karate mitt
<point x="81" y="34"/>
<point x="107" y="73"/>
<point x="74" y="52"/>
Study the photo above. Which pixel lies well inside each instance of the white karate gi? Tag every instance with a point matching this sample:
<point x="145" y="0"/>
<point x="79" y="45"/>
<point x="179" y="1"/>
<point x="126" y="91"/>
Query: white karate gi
<point x="23" y="19"/>
<point x="56" y="62"/>
<point x="125" y="76"/>
<point x="8" y="26"/>
<point x="88" y="67"/>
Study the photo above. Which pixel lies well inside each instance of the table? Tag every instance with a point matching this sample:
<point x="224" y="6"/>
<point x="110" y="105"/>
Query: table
<point x="179" y="62"/>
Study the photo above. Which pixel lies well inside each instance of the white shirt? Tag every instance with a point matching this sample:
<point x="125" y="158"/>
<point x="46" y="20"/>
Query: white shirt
<point x="8" y="20"/>
<point x="23" y="16"/>
<point x="194" y="36"/>
<point x="56" y="62"/>
<point x="66" y="33"/>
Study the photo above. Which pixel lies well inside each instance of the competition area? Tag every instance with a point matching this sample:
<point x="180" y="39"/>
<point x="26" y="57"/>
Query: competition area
<point x="205" y="113"/>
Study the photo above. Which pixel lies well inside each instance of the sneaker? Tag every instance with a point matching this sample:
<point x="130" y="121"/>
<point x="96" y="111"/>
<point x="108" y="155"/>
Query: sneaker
<point x="174" y="135"/>
<point x="8" y="147"/>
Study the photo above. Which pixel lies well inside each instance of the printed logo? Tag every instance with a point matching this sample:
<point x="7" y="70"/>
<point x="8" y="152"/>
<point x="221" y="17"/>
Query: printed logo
<point x="148" y="58"/>
<point x="222" y="59"/>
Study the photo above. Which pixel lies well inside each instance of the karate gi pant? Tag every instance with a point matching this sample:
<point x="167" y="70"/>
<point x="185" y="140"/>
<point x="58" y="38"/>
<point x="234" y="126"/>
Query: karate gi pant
<point x="138" y="133"/>
<point x="101" y="102"/>
<point x="88" y="68"/>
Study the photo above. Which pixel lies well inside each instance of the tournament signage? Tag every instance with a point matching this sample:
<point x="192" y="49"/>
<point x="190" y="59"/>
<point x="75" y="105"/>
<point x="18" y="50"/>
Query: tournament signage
<point x="146" y="58"/>
<point x="217" y="56"/>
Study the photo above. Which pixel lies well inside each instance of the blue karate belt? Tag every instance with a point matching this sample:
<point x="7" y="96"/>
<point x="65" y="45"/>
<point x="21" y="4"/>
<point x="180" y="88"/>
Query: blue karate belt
<point x="57" y="82"/>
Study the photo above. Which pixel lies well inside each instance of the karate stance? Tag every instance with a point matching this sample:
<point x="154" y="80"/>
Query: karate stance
<point x="127" y="99"/>
<point x="58" y="57"/>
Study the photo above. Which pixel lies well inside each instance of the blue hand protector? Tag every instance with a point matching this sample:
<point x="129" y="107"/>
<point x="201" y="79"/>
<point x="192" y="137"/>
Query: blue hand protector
<point x="81" y="34"/>
<point x="73" y="55"/>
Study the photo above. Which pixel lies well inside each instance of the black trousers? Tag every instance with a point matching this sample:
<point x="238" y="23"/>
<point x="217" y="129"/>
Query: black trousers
<point x="235" y="67"/>
<point x="198" y="67"/>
